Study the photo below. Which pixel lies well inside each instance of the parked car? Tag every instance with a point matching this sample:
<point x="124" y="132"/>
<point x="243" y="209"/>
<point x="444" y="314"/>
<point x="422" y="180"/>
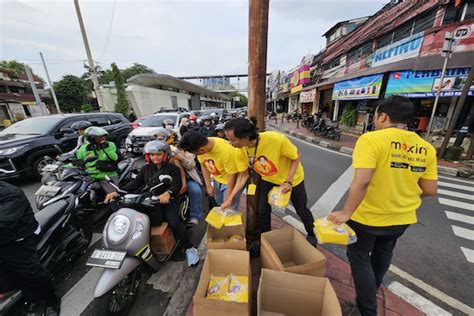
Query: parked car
<point x="221" y="113"/>
<point x="25" y="144"/>
<point x="138" y="122"/>
<point x="147" y="130"/>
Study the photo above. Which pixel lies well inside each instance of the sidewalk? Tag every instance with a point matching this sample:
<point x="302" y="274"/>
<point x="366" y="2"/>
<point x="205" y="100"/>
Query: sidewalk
<point x="346" y="144"/>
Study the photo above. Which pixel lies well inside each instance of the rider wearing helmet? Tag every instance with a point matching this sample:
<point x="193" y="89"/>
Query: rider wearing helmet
<point x="193" y="124"/>
<point x="80" y="127"/>
<point x="106" y="153"/>
<point x="158" y="154"/>
<point x="165" y="135"/>
<point x="220" y="130"/>
<point x="207" y="129"/>
<point x="169" y="125"/>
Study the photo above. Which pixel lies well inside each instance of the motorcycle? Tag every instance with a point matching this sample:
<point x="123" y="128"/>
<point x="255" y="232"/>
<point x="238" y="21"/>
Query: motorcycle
<point x="332" y="131"/>
<point x="308" y="121"/>
<point x="60" y="242"/>
<point x="126" y="250"/>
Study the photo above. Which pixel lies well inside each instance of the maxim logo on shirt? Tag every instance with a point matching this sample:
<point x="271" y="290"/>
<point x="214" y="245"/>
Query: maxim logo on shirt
<point x="415" y="149"/>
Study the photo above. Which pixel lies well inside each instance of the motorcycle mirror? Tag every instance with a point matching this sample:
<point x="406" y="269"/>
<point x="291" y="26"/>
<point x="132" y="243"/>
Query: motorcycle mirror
<point x="165" y="179"/>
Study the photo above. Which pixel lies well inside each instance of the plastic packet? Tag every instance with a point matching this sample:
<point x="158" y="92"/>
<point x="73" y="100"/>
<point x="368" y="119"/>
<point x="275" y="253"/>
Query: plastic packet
<point x="218" y="287"/>
<point x="278" y="198"/>
<point x="235" y="238"/>
<point x="220" y="240"/>
<point x="238" y="289"/>
<point x="215" y="218"/>
<point x="232" y="218"/>
<point x="329" y="233"/>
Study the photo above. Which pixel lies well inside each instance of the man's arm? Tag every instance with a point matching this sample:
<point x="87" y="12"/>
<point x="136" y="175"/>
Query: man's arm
<point x="207" y="180"/>
<point x="429" y="187"/>
<point x="286" y="187"/>
<point x="357" y="192"/>
<point x="240" y="182"/>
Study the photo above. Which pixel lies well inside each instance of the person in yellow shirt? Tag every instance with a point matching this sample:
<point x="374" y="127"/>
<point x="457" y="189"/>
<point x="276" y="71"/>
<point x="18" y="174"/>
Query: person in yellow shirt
<point x="277" y="160"/>
<point x="216" y="157"/>
<point x="394" y="168"/>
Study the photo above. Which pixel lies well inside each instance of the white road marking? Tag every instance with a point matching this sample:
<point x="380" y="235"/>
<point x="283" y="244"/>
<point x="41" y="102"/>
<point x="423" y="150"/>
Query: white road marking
<point x="76" y="300"/>
<point x="454" y="303"/>
<point x="463" y="232"/>
<point x="456" y="186"/>
<point x="468" y="253"/>
<point x="456" y="179"/>
<point x="460" y="217"/>
<point x="415" y="299"/>
<point x="329" y="200"/>
<point x="456" y="204"/>
<point x="317" y="146"/>
<point x="456" y="194"/>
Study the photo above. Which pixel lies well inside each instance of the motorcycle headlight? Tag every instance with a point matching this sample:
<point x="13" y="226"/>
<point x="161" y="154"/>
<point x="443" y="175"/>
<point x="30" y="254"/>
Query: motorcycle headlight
<point x="138" y="230"/>
<point x="11" y="150"/>
<point x="118" y="228"/>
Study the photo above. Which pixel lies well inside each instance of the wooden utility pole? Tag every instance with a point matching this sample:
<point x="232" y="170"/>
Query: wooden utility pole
<point x="258" y="33"/>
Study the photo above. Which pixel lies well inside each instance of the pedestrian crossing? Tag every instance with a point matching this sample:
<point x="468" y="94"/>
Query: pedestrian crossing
<point x="457" y="196"/>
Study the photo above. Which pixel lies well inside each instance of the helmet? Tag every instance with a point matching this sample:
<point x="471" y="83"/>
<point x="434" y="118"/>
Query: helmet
<point x="167" y="122"/>
<point x="165" y="135"/>
<point x="206" y="118"/>
<point x="220" y="127"/>
<point x="156" y="147"/>
<point x="193" y="117"/>
<point x="93" y="132"/>
<point x="81" y="125"/>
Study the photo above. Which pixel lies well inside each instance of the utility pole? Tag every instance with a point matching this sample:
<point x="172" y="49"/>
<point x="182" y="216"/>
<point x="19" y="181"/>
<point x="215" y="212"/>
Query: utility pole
<point x="258" y="33"/>
<point x="50" y="84"/>
<point x="95" y="81"/>
<point x="29" y="74"/>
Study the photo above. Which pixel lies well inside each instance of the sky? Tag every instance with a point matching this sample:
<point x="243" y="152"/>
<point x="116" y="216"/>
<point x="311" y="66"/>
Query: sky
<point x="176" y="37"/>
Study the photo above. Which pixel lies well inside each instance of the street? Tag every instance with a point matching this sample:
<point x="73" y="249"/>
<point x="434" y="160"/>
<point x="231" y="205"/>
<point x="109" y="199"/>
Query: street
<point x="436" y="250"/>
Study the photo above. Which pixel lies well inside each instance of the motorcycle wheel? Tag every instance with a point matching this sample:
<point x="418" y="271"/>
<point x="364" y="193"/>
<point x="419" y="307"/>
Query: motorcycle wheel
<point x="337" y="136"/>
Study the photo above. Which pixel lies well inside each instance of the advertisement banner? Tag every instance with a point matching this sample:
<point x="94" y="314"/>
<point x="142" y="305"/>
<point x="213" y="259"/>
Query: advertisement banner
<point x="359" y="88"/>
<point x="299" y="77"/>
<point x="424" y="83"/>
<point x="307" y="96"/>
<point x="406" y="48"/>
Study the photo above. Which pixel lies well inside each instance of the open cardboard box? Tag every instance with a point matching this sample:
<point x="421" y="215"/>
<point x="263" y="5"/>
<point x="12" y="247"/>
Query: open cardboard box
<point x="225" y="232"/>
<point x="287" y="250"/>
<point x="290" y="294"/>
<point x="222" y="262"/>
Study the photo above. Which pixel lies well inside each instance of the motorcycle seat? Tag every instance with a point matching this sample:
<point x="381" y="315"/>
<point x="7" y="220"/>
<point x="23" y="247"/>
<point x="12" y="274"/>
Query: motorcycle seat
<point x="47" y="216"/>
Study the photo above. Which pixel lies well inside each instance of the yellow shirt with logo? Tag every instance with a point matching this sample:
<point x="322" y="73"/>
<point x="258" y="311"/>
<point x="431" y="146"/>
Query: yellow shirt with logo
<point x="220" y="161"/>
<point x="400" y="158"/>
<point x="272" y="159"/>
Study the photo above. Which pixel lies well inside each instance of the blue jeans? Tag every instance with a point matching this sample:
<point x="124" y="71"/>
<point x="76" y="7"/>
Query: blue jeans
<point x="195" y="199"/>
<point x="220" y="193"/>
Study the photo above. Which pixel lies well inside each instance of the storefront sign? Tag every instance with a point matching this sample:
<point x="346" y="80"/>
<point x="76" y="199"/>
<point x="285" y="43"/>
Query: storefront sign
<point x="404" y="49"/>
<point x="307" y="96"/>
<point x="299" y="77"/>
<point x="360" y="88"/>
<point x="424" y="83"/>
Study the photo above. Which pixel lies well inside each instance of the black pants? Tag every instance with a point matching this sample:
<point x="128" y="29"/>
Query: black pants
<point x="170" y="213"/>
<point x="298" y="198"/>
<point x="370" y="258"/>
<point x="21" y="268"/>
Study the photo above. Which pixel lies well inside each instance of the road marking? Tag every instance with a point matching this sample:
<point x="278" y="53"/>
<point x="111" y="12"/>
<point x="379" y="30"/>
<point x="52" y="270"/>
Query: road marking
<point x="460" y="217"/>
<point x="76" y="300"/>
<point x="457" y="204"/>
<point x="329" y="200"/>
<point x="455" y="179"/>
<point x="455" y="186"/>
<point x="456" y="194"/>
<point x="463" y="232"/>
<point x="468" y="253"/>
<point x="415" y="299"/>
<point x="454" y="303"/>
<point x="314" y="145"/>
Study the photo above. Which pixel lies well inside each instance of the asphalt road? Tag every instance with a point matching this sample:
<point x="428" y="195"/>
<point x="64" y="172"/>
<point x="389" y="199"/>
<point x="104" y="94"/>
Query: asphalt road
<point x="430" y="250"/>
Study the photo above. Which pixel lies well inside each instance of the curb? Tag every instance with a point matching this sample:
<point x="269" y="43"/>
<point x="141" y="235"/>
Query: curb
<point x="449" y="171"/>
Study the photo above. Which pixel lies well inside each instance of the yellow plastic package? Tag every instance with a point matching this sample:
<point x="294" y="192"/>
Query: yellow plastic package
<point x="238" y="289"/>
<point x="278" y="198"/>
<point x="215" y="218"/>
<point x="329" y="233"/>
<point x="232" y="218"/>
<point x="218" y="287"/>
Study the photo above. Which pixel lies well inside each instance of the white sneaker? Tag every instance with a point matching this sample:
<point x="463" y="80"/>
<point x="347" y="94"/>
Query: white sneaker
<point x="192" y="256"/>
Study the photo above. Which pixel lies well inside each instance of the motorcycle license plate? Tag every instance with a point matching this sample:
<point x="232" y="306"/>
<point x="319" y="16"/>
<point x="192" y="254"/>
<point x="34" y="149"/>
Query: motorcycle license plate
<point x="48" y="190"/>
<point x="109" y="259"/>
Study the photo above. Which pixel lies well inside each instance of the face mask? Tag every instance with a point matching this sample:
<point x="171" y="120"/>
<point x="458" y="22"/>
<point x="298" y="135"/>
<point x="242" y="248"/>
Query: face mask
<point x="169" y="126"/>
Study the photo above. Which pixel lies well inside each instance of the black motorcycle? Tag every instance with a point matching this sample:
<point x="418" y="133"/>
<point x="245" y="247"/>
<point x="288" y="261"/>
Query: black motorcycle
<point x="332" y="131"/>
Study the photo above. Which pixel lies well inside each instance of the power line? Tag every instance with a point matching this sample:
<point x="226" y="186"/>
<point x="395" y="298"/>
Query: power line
<point x="109" y="32"/>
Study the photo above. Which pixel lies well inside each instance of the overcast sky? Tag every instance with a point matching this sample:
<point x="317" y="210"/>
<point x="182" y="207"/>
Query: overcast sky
<point x="177" y="37"/>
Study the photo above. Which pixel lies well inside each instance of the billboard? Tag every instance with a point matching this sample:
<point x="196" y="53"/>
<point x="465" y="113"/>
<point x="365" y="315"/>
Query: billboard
<point x="406" y="48"/>
<point x="360" y="88"/>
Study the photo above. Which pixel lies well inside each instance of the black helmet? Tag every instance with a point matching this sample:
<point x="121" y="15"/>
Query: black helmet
<point x="93" y="132"/>
<point x="81" y="125"/>
<point x="167" y="122"/>
<point x="155" y="147"/>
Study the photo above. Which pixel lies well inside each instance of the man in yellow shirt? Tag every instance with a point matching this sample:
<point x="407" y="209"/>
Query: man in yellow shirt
<point x="277" y="160"/>
<point x="394" y="168"/>
<point x="216" y="157"/>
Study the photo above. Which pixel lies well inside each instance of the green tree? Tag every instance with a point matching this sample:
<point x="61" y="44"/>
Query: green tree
<point x="15" y="68"/>
<point x="87" y="76"/>
<point x="71" y="92"/>
<point x="122" y="103"/>
<point x="135" y="70"/>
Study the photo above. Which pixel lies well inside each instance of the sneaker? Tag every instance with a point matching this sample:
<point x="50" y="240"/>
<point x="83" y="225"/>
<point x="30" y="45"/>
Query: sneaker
<point x="312" y="240"/>
<point x="193" y="222"/>
<point x="192" y="256"/>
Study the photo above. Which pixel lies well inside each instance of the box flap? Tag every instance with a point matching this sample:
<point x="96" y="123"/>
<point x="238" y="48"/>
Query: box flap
<point x="159" y="230"/>
<point x="331" y="306"/>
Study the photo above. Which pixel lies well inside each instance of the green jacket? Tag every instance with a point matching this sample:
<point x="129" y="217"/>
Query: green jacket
<point x="104" y="154"/>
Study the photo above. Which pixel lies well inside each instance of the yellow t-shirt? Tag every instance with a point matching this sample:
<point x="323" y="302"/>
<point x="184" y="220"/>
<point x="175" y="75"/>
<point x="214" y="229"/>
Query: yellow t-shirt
<point x="400" y="158"/>
<point x="272" y="159"/>
<point x="220" y="161"/>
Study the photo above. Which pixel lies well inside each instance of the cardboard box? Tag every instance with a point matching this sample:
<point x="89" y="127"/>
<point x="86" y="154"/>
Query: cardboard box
<point x="287" y="250"/>
<point x="290" y="294"/>
<point x="222" y="262"/>
<point x="225" y="232"/>
<point x="162" y="240"/>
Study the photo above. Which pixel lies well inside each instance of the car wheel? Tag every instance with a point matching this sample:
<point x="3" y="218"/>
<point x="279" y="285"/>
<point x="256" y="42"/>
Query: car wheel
<point x="39" y="164"/>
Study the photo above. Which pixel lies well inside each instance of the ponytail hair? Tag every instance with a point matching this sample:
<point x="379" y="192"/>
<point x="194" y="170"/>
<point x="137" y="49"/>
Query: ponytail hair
<point x="243" y="127"/>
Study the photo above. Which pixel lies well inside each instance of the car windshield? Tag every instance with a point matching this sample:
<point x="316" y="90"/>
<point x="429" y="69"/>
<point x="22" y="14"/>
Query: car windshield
<point x="211" y="111"/>
<point x="33" y="126"/>
<point x="157" y="120"/>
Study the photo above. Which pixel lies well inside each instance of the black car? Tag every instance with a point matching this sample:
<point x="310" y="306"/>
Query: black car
<point x="24" y="145"/>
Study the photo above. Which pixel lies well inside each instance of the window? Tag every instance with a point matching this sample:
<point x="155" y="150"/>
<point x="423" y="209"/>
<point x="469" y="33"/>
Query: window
<point x="385" y="40"/>
<point x="469" y="11"/>
<point x="424" y="22"/>
<point x="402" y="32"/>
<point x="452" y="14"/>
<point x="115" y="119"/>
<point x="174" y="102"/>
<point x="99" y="121"/>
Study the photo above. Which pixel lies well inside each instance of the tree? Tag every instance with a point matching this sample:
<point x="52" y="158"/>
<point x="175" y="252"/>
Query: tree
<point x="71" y="92"/>
<point x="122" y="103"/>
<point x="16" y="68"/>
<point x="242" y="99"/>
<point x="135" y="70"/>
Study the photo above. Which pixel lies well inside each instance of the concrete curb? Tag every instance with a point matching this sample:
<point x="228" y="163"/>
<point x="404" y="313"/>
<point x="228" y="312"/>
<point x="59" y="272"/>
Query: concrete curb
<point x="449" y="171"/>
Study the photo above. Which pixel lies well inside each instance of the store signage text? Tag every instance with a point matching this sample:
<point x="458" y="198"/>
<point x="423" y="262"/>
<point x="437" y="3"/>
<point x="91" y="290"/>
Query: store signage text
<point x="406" y="48"/>
<point x="360" y="88"/>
